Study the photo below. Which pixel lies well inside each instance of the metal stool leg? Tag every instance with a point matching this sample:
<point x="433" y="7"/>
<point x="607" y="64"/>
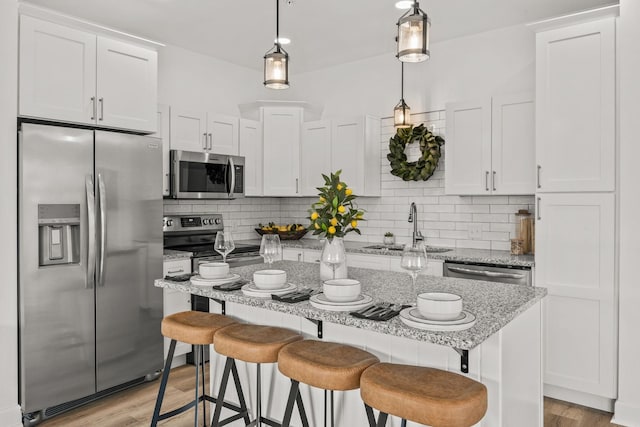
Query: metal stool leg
<point x="163" y="384"/>
<point x="370" y="417"/>
<point x="221" y="392"/>
<point x="204" y="393"/>
<point x="403" y="423"/>
<point x="196" y="355"/>
<point x="293" y="395"/>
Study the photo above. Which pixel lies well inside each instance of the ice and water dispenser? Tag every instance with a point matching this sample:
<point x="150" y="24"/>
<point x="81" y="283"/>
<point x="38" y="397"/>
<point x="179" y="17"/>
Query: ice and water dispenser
<point x="59" y="234"/>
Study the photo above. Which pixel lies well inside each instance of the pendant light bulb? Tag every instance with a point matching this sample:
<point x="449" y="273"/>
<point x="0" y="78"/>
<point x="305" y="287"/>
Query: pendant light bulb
<point x="414" y="28"/>
<point x="402" y="112"/>
<point x="276" y="61"/>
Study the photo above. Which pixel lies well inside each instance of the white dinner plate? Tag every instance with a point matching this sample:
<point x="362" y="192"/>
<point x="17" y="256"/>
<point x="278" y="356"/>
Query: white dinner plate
<point x="251" y="290"/>
<point x="341" y="306"/>
<point x="415" y="315"/>
<point x="198" y="280"/>
<point x="322" y="299"/>
<point x="436" y="325"/>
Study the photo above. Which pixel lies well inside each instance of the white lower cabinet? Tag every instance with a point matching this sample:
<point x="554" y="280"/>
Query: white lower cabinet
<point x="292" y="254"/>
<point x="575" y="261"/>
<point x="175" y="301"/>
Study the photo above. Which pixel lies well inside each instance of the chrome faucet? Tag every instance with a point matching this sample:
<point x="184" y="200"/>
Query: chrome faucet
<point x="413" y="217"/>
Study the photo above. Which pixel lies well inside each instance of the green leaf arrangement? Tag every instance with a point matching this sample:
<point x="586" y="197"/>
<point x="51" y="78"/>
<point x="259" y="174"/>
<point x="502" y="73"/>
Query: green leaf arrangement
<point x="426" y="165"/>
<point x="335" y="213"/>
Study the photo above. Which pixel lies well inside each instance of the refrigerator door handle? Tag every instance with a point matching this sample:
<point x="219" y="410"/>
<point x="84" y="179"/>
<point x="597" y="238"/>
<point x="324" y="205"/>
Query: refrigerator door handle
<point x="102" y="197"/>
<point x="232" y="187"/>
<point x="91" y="250"/>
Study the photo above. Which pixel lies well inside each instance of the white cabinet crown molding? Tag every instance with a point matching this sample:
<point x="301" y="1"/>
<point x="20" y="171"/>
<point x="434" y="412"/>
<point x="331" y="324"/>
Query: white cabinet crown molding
<point x="81" y="24"/>
<point x="612" y="10"/>
<point x="252" y="110"/>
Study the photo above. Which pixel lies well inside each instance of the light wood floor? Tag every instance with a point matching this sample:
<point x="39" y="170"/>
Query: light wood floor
<point x="134" y="407"/>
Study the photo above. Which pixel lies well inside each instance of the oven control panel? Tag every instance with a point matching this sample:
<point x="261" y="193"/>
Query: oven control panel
<point x="192" y="222"/>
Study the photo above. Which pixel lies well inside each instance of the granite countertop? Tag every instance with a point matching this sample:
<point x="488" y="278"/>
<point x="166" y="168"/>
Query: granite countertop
<point x="482" y="256"/>
<point x="494" y="304"/>
<point x="170" y="255"/>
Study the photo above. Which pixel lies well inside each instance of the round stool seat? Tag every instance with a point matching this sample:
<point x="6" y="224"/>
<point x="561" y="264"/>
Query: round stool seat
<point x="326" y="365"/>
<point x="194" y="327"/>
<point x="254" y="343"/>
<point x="424" y="395"/>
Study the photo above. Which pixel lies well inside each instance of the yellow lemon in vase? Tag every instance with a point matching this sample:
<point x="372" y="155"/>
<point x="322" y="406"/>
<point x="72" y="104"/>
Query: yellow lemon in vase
<point x="314" y="216"/>
<point x="334" y="221"/>
<point x="331" y="230"/>
<point x="341" y="209"/>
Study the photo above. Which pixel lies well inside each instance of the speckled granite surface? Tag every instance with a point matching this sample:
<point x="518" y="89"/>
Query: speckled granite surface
<point x="494" y="304"/>
<point x="170" y="254"/>
<point x="455" y="254"/>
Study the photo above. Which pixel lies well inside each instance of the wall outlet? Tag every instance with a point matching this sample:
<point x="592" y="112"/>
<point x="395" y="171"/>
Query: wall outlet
<point x="475" y="231"/>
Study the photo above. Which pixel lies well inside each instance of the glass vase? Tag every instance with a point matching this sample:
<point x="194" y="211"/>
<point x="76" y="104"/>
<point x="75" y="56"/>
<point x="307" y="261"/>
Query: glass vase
<point x="333" y="260"/>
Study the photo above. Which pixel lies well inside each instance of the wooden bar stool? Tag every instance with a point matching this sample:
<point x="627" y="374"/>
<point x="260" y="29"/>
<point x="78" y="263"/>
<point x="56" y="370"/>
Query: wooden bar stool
<point x="326" y="365"/>
<point x="199" y="329"/>
<point x="254" y="344"/>
<point x="425" y="395"/>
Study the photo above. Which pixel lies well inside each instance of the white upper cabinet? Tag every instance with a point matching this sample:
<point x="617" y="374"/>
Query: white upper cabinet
<point x="57" y="72"/>
<point x="127" y="85"/>
<point x="315" y="155"/>
<point x="513" y="144"/>
<point x="251" y="150"/>
<point x="281" y="135"/>
<point x="223" y="134"/>
<point x="75" y="76"/>
<point x="355" y="149"/>
<point x="490" y="146"/>
<point x="205" y="132"/>
<point x="188" y="130"/>
<point x="575" y="107"/>
<point x="575" y="261"/>
<point x="468" y="148"/>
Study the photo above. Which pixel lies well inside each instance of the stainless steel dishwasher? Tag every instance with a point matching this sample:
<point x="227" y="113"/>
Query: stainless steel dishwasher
<point x="516" y="275"/>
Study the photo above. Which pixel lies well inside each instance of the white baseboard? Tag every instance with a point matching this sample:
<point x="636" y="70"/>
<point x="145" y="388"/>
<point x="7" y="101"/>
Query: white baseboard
<point x="626" y="414"/>
<point x="584" y="399"/>
<point x="11" y="417"/>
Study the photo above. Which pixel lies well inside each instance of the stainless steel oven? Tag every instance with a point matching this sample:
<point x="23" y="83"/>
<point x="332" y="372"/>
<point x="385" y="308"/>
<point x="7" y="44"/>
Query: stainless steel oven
<point x="199" y="175"/>
<point x="516" y="275"/>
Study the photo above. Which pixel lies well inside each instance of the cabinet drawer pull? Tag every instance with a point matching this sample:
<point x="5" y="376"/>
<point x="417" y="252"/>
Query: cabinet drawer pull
<point x="493" y="181"/>
<point x="538" y="177"/>
<point x="486" y="180"/>
<point x="538" y="209"/>
<point x="296" y="185"/>
<point x="205" y="141"/>
<point x="210" y="141"/>
<point x="179" y="270"/>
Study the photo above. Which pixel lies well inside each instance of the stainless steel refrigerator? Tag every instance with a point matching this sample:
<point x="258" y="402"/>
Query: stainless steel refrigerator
<point x="90" y="247"/>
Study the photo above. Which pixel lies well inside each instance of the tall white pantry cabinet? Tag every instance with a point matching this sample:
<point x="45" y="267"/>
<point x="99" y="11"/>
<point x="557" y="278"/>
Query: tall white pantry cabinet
<point x="576" y="209"/>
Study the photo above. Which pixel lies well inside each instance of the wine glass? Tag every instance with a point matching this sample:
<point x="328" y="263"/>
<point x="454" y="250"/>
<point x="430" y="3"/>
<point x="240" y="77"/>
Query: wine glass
<point x="270" y="248"/>
<point x="333" y="254"/>
<point x="224" y="244"/>
<point x="414" y="260"/>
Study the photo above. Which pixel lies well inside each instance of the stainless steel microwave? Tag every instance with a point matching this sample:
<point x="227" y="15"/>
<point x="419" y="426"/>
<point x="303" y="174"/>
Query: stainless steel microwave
<point x="198" y="175"/>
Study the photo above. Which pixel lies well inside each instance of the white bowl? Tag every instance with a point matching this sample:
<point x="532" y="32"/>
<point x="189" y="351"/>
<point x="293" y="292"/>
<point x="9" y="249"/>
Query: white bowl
<point x="213" y="270"/>
<point x="341" y="290"/>
<point x="440" y="305"/>
<point x="269" y="279"/>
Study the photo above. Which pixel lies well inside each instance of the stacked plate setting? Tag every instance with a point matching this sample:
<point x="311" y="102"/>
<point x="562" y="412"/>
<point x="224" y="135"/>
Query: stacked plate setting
<point x="341" y="295"/>
<point x="268" y="282"/>
<point x="438" y="311"/>
<point x="213" y="274"/>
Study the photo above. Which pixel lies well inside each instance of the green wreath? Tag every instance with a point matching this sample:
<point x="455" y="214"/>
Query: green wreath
<point x="427" y="163"/>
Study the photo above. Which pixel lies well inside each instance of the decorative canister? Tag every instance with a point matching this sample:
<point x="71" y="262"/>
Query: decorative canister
<point x="524" y="231"/>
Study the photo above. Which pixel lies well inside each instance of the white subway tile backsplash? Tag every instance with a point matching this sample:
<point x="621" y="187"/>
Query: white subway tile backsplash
<point x="444" y="220"/>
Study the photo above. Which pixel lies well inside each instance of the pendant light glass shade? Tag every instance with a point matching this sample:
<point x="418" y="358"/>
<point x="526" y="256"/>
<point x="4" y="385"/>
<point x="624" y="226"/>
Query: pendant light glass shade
<point x="402" y="115"/>
<point x="413" y="35"/>
<point x="276" y="61"/>
<point x="402" y="112"/>
<point x="276" y="69"/>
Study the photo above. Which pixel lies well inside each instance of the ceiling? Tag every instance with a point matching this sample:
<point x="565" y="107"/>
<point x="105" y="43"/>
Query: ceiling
<point x="323" y="32"/>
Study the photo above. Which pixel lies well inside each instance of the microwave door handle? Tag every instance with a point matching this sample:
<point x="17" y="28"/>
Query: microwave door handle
<point x="102" y="197"/>
<point x="91" y="225"/>
<point x="232" y="187"/>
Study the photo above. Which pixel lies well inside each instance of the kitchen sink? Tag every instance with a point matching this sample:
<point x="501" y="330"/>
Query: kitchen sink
<point x="428" y="249"/>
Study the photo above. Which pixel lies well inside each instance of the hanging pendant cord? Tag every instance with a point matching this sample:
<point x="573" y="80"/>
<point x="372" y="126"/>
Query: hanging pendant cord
<point x="278" y="22"/>
<point x="402" y="81"/>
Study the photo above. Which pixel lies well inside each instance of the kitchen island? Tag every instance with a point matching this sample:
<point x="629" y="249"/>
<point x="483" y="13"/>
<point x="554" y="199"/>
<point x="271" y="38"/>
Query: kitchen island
<point x="502" y="350"/>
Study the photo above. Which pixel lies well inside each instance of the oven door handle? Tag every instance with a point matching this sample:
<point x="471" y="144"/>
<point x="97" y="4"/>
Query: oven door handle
<point x="232" y="168"/>
<point x="486" y="273"/>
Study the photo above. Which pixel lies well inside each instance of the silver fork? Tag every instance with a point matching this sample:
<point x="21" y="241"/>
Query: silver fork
<point x="394" y="307"/>
<point x="381" y="306"/>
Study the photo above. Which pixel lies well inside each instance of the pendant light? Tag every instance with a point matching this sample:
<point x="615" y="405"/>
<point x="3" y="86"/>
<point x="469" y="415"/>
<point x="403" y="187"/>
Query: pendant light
<point x="413" y="35"/>
<point x="402" y="112"/>
<point x="276" y="61"/>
